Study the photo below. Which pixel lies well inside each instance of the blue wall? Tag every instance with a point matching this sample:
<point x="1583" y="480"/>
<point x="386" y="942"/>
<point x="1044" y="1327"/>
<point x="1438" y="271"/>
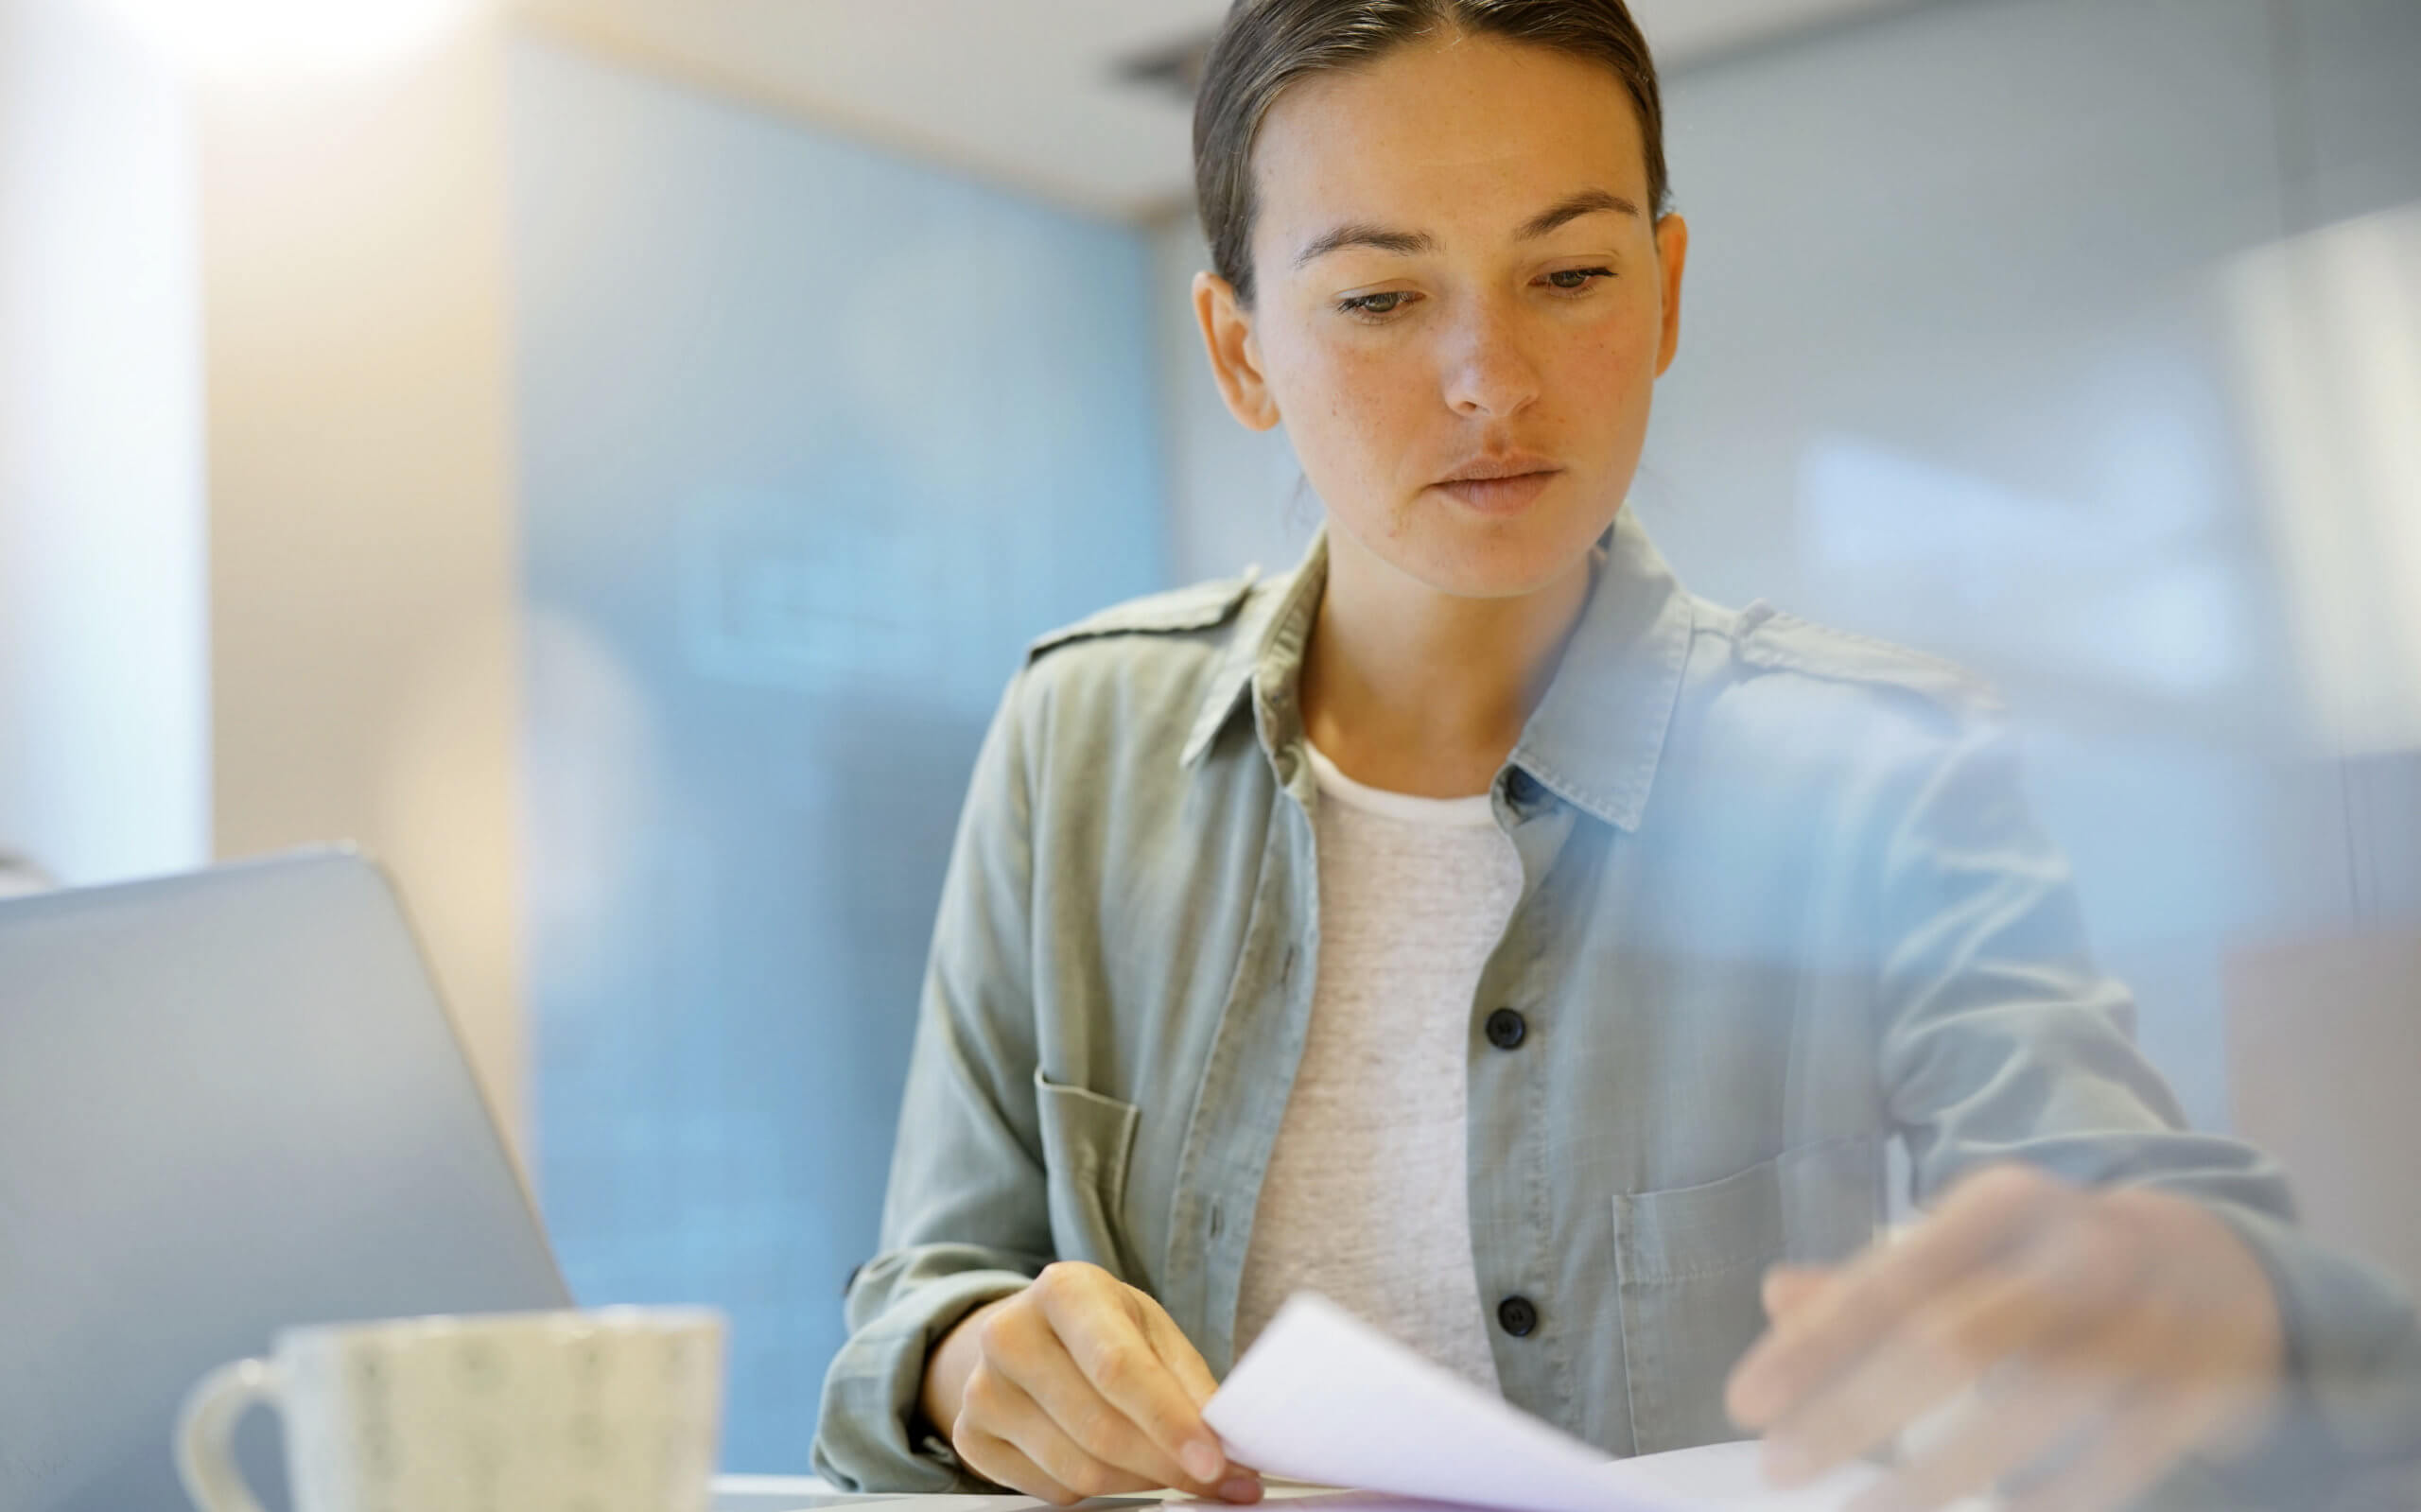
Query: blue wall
<point x="813" y="440"/>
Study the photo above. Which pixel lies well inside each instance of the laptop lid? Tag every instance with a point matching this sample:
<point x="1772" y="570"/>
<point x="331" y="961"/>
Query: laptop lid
<point x="230" y="1102"/>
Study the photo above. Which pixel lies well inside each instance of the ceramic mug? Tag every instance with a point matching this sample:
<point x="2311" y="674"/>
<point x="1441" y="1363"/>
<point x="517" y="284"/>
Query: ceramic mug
<point x="617" y="1410"/>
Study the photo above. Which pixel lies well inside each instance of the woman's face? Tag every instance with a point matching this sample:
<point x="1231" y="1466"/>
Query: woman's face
<point x="1455" y="273"/>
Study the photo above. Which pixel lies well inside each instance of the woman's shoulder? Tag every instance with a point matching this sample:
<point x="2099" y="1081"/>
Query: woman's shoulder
<point x="1784" y="655"/>
<point x="1156" y="623"/>
<point x="1784" y="724"/>
<point x="1768" y="642"/>
<point x="1817" y="712"/>
<point x="1134" y="677"/>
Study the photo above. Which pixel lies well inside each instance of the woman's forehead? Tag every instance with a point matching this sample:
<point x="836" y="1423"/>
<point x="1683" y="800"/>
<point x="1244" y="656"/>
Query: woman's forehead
<point x="1473" y="130"/>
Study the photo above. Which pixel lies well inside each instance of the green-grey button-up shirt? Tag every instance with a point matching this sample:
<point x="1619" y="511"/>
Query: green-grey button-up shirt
<point x="1780" y="901"/>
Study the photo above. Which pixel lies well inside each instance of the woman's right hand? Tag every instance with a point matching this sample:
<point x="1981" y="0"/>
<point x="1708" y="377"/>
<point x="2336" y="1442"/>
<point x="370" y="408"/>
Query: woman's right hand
<point x="1079" y="1385"/>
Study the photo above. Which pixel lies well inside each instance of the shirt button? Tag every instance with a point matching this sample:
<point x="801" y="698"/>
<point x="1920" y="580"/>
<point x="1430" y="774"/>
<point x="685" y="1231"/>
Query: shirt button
<point x="1507" y="1029"/>
<point x="1521" y="789"/>
<point x="1517" y="1316"/>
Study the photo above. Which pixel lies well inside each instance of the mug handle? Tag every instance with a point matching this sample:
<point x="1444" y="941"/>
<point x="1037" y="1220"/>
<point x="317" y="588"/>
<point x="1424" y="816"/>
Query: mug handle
<point x="206" y="1426"/>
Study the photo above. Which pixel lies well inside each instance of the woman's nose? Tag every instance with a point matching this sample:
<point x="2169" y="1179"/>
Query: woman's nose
<point x="1487" y="370"/>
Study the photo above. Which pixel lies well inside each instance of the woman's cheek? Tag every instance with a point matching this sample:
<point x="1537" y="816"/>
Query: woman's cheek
<point x="1370" y="403"/>
<point x="1619" y="358"/>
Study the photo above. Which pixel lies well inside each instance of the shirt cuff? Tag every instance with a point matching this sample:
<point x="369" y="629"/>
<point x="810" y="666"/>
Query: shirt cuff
<point x="2350" y="1404"/>
<point x="871" y="1434"/>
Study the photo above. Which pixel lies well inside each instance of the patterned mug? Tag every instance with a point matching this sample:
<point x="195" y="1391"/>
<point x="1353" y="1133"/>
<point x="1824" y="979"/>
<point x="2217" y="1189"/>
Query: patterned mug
<point x="617" y="1410"/>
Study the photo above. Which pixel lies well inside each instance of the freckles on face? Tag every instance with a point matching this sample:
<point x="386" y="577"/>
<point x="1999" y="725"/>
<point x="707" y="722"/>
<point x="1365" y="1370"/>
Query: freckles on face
<point x="1421" y="304"/>
<point x="1389" y="418"/>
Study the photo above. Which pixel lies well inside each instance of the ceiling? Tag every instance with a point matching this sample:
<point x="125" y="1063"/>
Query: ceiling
<point x="1034" y="94"/>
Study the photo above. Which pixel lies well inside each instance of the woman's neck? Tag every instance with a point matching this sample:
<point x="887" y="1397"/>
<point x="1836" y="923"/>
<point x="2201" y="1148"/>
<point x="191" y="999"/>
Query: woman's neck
<point x="1416" y="691"/>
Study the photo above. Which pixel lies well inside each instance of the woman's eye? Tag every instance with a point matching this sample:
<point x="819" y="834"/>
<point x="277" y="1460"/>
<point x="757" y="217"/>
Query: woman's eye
<point x="1581" y="278"/>
<point x="1368" y="306"/>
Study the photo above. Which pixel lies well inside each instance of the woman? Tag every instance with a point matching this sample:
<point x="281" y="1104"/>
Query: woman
<point x="1475" y="927"/>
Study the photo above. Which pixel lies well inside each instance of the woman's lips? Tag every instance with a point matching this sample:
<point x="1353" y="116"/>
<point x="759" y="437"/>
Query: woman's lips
<point x="1500" y="495"/>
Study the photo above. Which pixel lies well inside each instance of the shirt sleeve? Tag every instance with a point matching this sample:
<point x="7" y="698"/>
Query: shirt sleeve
<point x="965" y="1218"/>
<point x="2000" y="1040"/>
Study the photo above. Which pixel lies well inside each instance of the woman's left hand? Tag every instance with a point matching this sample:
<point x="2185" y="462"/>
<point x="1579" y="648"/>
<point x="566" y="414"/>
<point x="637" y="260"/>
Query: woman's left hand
<point x="2118" y="1329"/>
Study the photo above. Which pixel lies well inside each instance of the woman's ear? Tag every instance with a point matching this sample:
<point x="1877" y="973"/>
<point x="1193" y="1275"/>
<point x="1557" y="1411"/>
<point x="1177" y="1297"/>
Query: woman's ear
<point x="1672" y="253"/>
<point x="1235" y="356"/>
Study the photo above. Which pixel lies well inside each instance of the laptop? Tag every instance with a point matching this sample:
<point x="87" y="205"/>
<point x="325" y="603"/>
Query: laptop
<point x="230" y="1102"/>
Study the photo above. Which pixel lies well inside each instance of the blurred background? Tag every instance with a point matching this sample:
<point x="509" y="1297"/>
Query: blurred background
<point x="605" y="456"/>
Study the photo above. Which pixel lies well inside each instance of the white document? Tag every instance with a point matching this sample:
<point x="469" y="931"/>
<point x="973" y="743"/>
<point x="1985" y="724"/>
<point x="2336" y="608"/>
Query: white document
<point x="1323" y="1396"/>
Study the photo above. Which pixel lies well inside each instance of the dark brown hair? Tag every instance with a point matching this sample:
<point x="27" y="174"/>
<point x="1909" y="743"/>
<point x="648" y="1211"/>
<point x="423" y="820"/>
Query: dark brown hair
<point x="1264" y="45"/>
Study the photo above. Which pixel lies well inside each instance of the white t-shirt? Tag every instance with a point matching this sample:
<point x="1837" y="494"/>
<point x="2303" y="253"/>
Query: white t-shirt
<point x="1366" y="1200"/>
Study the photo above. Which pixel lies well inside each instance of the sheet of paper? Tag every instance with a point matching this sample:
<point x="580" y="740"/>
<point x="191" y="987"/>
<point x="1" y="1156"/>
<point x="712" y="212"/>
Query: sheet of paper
<point x="1323" y="1396"/>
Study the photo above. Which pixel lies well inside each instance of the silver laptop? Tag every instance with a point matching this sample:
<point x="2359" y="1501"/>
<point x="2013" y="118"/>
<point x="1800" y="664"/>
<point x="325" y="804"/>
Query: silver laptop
<point x="229" y="1101"/>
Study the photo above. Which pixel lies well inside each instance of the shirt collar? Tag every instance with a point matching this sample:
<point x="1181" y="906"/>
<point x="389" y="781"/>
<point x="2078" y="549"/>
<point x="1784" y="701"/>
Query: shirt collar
<point x="1596" y="735"/>
<point x="1265" y="652"/>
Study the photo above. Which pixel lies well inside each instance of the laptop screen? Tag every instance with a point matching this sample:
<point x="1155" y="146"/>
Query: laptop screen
<point x="229" y="1103"/>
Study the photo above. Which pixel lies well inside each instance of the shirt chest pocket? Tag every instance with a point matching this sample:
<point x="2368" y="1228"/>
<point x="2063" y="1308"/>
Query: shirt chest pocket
<point x="1087" y="1140"/>
<point x="1689" y="1262"/>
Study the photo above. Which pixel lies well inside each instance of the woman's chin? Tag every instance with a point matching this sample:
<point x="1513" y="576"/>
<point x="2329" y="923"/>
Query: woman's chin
<point x="1500" y="560"/>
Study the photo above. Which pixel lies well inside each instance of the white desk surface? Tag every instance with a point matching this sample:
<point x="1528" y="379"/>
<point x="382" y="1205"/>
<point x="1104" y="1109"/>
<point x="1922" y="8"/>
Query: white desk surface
<point x="795" y="1493"/>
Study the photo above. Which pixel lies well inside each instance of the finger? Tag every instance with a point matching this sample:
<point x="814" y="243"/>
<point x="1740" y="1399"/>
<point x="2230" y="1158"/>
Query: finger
<point x="2001" y="1430"/>
<point x="1008" y="1414"/>
<point x="1242" y="1483"/>
<point x="1982" y="1216"/>
<point x="2062" y="1397"/>
<point x="2070" y="1302"/>
<point x="2136" y="1449"/>
<point x="1000" y="1462"/>
<point x="1177" y="1352"/>
<point x="1936" y="1351"/>
<point x="1787" y="1288"/>
<point x="1109" y="1347"/>
<point x="1026" y="1355"/>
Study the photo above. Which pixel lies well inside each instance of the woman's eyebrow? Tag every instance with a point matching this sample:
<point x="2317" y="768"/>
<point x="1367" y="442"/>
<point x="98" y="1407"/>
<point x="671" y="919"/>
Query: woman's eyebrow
<point x="1364" y="234"/>
<point x="1411" y="243"/>
<point x="1587" y="201"/>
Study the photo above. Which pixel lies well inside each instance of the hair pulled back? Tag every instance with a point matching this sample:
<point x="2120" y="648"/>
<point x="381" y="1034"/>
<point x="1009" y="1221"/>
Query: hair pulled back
<point x="1264" y="45"/>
